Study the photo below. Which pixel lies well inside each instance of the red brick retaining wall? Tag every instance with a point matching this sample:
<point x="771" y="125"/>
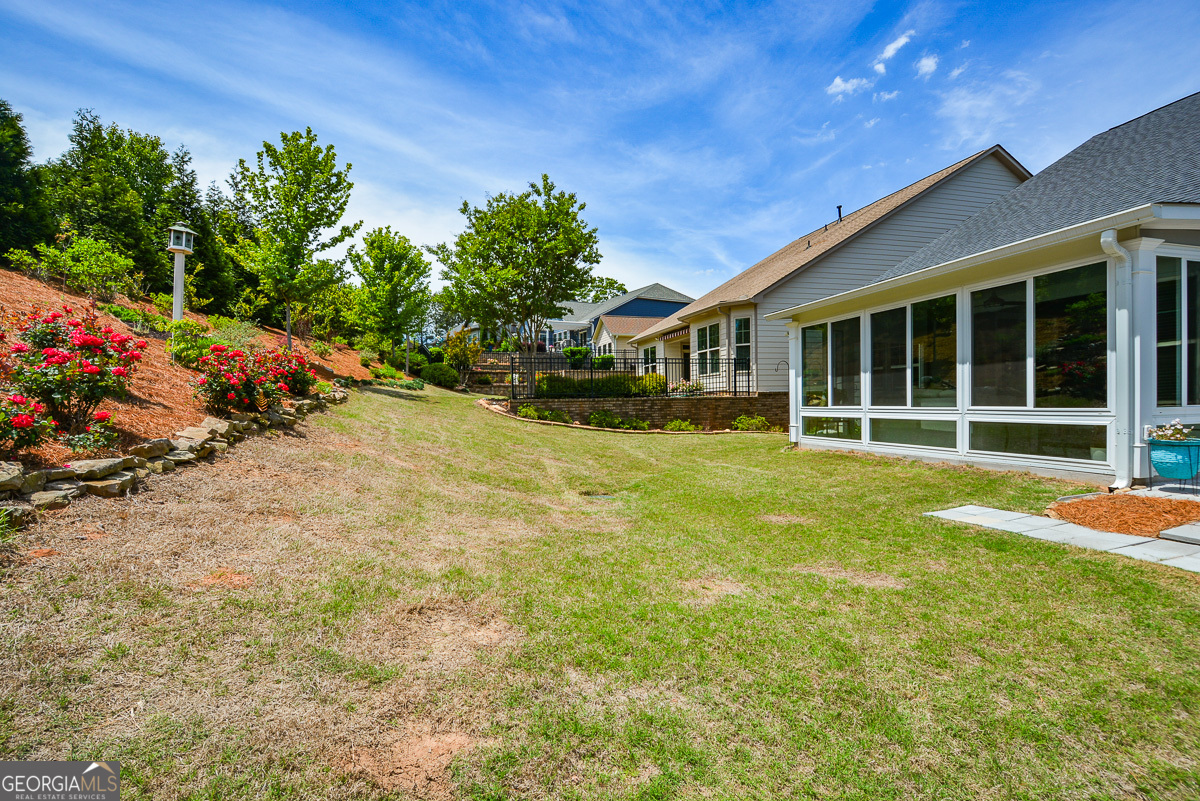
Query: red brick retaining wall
<point x="709" y="411"/>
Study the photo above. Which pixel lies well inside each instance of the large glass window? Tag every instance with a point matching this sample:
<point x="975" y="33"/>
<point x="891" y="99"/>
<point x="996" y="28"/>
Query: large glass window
<point x="708" y="348"/>
<point x="935" y="352"/>
<point x="1169" y="324"/>
<point x="650" y="359"/>
<point x="1041" y="439"/>
<point x="835" y="427"/>
<point x="926" y="433"/>
<point x="1071" y="338"/>
<point x="741" y="342"/>
<point x="889" y="368"/>
<point x="814" y="346"/>
<point x="998" y="346"/>
<point x="845" y="372"/>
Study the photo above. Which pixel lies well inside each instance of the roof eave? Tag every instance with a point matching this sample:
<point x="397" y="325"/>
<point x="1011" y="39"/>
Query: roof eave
<point x="1138" y="215"/>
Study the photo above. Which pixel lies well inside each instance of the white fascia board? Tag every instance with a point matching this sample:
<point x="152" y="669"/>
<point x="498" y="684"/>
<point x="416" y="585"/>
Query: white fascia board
<point x="1137" y="215"/>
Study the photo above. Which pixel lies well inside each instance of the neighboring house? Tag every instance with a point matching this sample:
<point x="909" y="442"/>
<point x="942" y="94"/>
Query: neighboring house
<point x="580" y="326"/>
<point x="1045" y="332"/>
<point x="613" y="332"/>
<point x="729" y="326"/>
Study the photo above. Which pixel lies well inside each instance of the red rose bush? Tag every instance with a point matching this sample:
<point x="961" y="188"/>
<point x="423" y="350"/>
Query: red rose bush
<point x="68" y="363"/>
<point x="235" y="381"/>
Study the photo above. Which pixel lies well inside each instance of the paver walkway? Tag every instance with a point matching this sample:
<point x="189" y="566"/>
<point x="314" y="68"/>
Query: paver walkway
<point x="1180" y="552"/>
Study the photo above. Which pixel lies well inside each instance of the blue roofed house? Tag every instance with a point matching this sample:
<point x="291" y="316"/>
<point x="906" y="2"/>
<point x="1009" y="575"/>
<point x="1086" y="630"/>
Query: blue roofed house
<point x="584" y="324"/>
<point x="1045" y="332"/>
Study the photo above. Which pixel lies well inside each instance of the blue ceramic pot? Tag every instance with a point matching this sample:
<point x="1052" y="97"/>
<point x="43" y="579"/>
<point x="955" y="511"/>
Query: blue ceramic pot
<point x="1178" y="459"/>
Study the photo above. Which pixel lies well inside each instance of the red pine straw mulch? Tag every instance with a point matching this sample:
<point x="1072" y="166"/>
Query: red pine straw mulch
<point x="1128" y="514"/>
<point x="161" y="400"/>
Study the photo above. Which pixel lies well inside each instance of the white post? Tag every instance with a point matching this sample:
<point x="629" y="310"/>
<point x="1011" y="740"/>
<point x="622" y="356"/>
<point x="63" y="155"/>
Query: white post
<point x="793" y="386"/>
<point x="177" y="307"/>
<point x="1143" y="322"/>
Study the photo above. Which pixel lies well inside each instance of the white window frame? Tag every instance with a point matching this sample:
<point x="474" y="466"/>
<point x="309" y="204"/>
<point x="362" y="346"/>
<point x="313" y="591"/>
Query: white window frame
<point x="962" y="412"/>
<point x="702" y="356"/>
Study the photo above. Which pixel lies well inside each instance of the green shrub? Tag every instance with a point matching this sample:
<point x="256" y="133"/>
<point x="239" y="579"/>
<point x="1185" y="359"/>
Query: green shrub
<point x="324" y="387"/>
<point x="364" y="361"/>
<point x="189" y="342"/>
<point x="604" y="361"/>
<point x="483" y="380"/>
<point x="386" y="372"/>
<point x="436" y="356"/>
<point x="89" y="266"/>
<point x="748" y="422"/>
<point x="634" y="424"/>
<point x="164" y="303"/>
<point x="531" y="412"/>
<point x="651" y="384"/>
<point x="603" y="418"/>
<point x="577" y="357"/>
<point x="370" y="354"/>
<point x="238" y="334"/>
<point x="322" y="349"/>
<point x="681" y="425"/>
<point x="441" y="374"/>
<point x="416" y="362"/>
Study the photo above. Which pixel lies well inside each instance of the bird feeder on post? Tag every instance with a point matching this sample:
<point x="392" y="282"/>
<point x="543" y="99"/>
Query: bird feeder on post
<point x="180" y="241"/>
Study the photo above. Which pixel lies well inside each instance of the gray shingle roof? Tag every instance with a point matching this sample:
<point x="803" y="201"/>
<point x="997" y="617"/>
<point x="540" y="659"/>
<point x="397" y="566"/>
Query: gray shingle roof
<point x="588" y="311"/>
<point x="1152" y="159"/>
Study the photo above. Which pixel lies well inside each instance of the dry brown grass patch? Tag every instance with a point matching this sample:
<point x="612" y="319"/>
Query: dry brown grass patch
<point x="860" y="578"/>
<point x="416" y="762"/>
<point x="710" y="589"/>
<point x="439" y="636"/>
<point x="227" y="577"/>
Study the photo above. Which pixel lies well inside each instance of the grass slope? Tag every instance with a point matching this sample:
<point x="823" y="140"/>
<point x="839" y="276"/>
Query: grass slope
<point x="434" y="585"/>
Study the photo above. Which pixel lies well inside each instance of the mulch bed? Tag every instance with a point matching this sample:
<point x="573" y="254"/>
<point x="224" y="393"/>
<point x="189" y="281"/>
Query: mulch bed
<point x="1127" y="514"/>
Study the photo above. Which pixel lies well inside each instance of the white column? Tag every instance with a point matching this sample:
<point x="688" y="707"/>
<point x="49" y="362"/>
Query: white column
<point x="1143" y="327"/>
<point x="177" y="306"/>
<point x="794" y="370"/>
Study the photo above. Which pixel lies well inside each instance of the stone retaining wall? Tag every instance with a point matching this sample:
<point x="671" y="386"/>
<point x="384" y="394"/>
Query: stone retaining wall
<point x="710" y="411"/>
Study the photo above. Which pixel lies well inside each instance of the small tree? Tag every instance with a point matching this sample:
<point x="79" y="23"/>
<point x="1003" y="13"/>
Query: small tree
<point x="461" y="353"/>
<point x="295" y="193"/>
<point x="394" y="297"/>
<point x="602" y="289"/>
<point x="520" y="259"/>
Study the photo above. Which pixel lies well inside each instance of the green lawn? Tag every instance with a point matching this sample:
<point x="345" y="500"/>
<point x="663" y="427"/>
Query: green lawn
<point x="736" y="621"/>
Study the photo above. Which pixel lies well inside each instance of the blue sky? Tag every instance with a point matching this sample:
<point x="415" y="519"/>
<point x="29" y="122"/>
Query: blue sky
<point x="702" y="136"/>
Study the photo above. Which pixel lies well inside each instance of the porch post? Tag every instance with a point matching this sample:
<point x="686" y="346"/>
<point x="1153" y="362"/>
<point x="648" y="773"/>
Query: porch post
<point x="793" y="387"/>
<point x="1143" y="324"/>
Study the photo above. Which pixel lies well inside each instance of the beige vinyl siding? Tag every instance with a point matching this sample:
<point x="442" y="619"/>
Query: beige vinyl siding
<point x="864" y="258"/>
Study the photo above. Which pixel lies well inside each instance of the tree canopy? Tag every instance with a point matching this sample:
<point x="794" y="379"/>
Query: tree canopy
<point x="295" y="193"/>
<point x="520" y="259"/>
<point x="393" y="298"/>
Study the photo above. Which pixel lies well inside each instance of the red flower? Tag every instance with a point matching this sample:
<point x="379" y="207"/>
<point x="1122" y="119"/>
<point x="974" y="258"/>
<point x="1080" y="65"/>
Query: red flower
<point x="103" y="417"/>
<point x="23" y="421"/>
<point x="38" y="408"/>
<point x="141" y="344"/>
<point x="18" y="399"/>
<point x="218" y="348"/>
<point x="19" y="347"/>
<point x="74" y="323"/>
<point x="82" y="340"/>
<point x="282" y="387"/>
<point x="231" y="396"/>
<point x="91" y="369"/>
<point x="202" y="381"/>
<point x="120" y="372"/>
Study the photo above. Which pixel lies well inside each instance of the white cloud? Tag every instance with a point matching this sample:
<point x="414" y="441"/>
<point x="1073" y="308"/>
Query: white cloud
<point x="817" y="137"/>
<point x="965" y="44"/>
<point x="927" y="65"/>
<point x="870" y="123"/>
<point x="840" y="88"/>
<point x="959" y="70"/>
<point x="883" y="97"/>
<point x="978" y="113"/>
<point x="892" y="48"/>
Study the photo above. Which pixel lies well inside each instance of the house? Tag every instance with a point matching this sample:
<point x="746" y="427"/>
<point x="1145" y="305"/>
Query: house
<point x="728" y="329"/>
<point x="581" y="325"/>
<point x="1045" y="332"/>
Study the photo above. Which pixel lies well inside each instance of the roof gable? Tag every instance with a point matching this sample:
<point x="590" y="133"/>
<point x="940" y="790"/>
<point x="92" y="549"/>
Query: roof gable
<point x="1154" y="158"/>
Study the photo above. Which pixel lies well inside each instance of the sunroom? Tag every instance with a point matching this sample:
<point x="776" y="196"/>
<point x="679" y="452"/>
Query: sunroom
<point x="1051" y="355"/>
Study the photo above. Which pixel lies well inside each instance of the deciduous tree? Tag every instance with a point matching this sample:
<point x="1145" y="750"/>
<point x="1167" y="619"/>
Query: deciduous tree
<point x="394" y="297"/>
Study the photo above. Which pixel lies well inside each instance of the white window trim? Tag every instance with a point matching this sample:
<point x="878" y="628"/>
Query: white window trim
<point x="962" y="412"/>
<point x="1164" y="414"/>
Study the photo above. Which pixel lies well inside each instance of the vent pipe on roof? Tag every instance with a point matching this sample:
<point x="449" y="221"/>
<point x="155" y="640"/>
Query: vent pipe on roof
<point x="839" y="213"/>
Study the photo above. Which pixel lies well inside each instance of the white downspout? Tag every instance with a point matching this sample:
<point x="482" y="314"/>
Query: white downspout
<point x="1122" y="370"/>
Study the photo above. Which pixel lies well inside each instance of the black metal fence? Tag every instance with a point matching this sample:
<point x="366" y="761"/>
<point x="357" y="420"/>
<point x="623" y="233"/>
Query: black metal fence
<point x="555" y="376"/>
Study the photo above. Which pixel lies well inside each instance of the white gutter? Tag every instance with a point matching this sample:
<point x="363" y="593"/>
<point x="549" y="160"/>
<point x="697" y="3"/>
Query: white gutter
<point x="1124" y="373"/>
<point x="1137" y="215"/>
